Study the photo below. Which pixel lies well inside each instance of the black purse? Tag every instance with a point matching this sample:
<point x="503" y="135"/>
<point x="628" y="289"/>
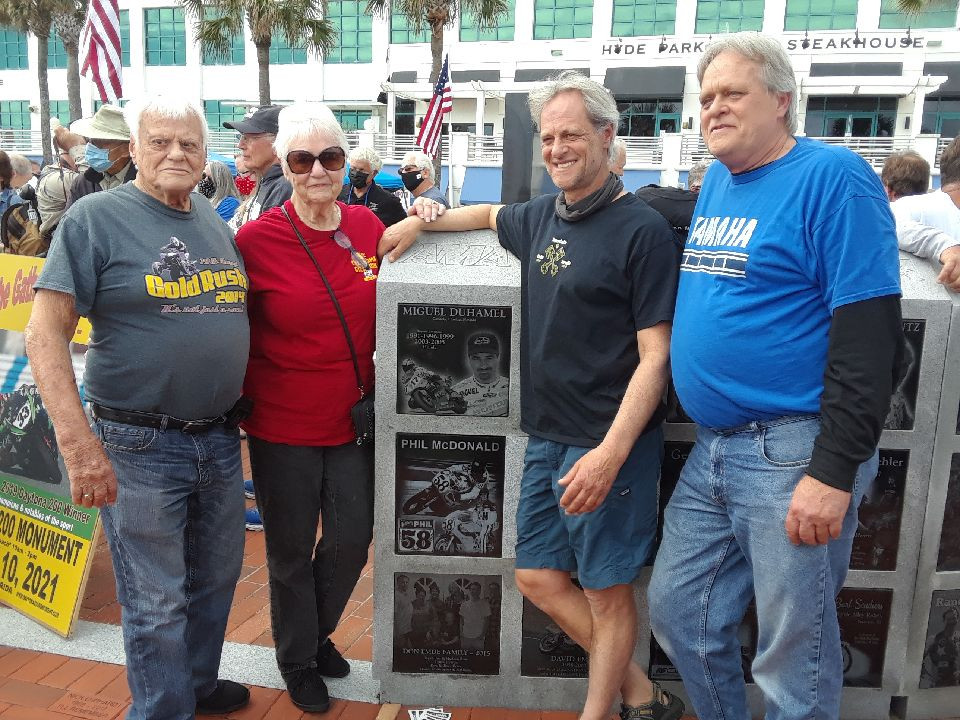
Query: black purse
<point x="362" y="413"/>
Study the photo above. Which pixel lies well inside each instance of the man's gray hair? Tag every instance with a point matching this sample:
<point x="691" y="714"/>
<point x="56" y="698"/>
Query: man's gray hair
<point x="617" y="146"/>
<point x="776" y="72"/>
<point x="21" y="164"/>
<point x="421" y="160"/>
<point x="303" y="120"/>
<point x="168" y="107"/>
<point x="599" y="103"/>
<point x="697" y="171"/>
<point x="367" y="153"/>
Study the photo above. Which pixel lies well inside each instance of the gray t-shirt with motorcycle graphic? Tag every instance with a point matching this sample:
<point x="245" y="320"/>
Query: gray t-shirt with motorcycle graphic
<point x="166" y="294"/>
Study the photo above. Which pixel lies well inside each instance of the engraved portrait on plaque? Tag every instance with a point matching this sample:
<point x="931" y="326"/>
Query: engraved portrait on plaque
<point x="453" y="360"/>
<point x="903" y="404"/>
<point x="864" y="616"/>
<point x="447" y="624"/>
<point x="546" y="650"/>
<point x="949" y="555"/>
<point x="878" y="532"/>
<point x="449" y="494"/>
<point x="941" y="655"/>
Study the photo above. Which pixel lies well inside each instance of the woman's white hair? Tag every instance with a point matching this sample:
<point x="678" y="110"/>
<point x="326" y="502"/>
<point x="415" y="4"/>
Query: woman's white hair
<point x="776" y="72"/>
<point x="303" y="120"/>
<point x="169" y="107"/>
<point x="599" y="103"/>
<point x="367" y="153"/>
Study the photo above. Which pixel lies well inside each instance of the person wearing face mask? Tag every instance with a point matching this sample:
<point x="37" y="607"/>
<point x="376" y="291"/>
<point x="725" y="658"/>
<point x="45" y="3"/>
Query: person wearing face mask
<point x="106" y="154"/>
<point x="416" y="172"/>
<point x="216" y="184"/>
<point x="362" y="190"/>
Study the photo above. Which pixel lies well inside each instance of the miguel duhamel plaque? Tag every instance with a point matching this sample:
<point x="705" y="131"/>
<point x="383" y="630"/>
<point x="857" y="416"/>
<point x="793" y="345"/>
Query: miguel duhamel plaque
<point x="446" y="624"/>
<point x="864" y="616"/>
<point x="546" y="650"/>
<point x="903" y="404"/>
<point x="878" y="533"/>
<point x="941" y="654"/>
<point x="449" y="494"/>
<point x="949" y="556"/>
<point x="453" y="360"/>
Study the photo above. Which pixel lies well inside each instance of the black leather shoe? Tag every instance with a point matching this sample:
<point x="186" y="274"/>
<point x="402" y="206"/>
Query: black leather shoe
<point x="227" y="697"/>
<point x="330" y="662"/>
<point x="307" y="690"/>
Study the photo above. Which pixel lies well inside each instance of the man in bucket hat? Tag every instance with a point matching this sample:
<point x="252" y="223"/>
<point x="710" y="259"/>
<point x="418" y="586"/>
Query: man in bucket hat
<point x="106" y="155"/>
<point x="258" y="129"/>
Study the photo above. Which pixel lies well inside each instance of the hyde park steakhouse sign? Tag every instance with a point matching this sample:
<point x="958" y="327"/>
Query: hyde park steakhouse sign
<point x="853" y="42"/>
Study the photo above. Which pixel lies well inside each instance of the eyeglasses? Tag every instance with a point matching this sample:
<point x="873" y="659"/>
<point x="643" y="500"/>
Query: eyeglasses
<point x="407" y="169"/>
<point x="301" y="162"/>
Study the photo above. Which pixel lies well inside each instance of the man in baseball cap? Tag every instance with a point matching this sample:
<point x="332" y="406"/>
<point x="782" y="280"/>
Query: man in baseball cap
<point x="258" y="130"/>
<point x="106" y="154"/>
<point x="487" y="393"/>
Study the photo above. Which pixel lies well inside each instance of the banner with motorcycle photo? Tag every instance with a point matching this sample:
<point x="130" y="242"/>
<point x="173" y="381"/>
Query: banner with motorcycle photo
<point x="46" y="542"/>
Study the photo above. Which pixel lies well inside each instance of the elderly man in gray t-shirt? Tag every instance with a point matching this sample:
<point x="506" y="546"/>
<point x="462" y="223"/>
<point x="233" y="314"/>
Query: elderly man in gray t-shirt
<point x="158" y="274"/>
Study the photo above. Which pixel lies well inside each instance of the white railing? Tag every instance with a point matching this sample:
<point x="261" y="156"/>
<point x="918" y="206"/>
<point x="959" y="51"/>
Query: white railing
<point x="23" y="141"/>
<point x="874" y="150"/>
<point x="485" y="149"/>
<point x="393" y="147"/>
<point x="693" y="149"/>
<point x="644" y="150"/>
<point x="941" y="146"/>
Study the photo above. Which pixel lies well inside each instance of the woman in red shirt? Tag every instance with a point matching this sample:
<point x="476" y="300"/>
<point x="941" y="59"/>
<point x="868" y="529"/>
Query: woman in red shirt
<point x="306" y="464"/>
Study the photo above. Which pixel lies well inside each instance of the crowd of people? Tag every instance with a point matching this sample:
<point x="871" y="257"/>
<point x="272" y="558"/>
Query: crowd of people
<point x="777" y="314"/>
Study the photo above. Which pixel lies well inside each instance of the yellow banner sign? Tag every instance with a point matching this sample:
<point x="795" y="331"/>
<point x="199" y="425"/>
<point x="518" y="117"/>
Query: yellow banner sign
<point x="46" y="547"/>
<point x="17" y="275"/>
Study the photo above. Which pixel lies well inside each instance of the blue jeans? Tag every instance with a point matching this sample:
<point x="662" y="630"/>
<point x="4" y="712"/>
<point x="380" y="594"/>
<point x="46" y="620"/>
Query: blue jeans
<point x="176" y="539"/>
<point x="724" y="542"/>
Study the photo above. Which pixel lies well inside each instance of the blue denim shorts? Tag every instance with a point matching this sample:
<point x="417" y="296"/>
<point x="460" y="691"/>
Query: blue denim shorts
<point x="606" y="547"/>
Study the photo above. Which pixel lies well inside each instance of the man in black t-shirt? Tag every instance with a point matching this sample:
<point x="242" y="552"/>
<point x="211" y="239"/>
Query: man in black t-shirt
<point x="677" y="204"/>
<point x="365" y="163"/>
<point x="599" y="272"/>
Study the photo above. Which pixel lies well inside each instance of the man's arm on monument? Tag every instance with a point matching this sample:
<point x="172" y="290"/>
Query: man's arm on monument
<point x="589" y="480"/>
<point x="865" y="346"/>
<point x="950" y="274"/>
<point x="923" y="240"/>
<point x="48" y="334"/>
<point x="432" y="216"/>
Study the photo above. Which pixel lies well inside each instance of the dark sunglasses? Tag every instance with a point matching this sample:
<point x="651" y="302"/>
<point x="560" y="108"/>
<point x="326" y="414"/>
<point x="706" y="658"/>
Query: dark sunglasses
<point x="301" y="162"/>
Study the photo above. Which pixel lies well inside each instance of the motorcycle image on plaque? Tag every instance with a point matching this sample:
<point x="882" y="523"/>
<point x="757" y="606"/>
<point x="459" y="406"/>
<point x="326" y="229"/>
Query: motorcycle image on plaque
<point x="878" y="532"/>
<point x="903" y="403"/>
<point x="864" y="616"/>
<point x="546" y="650"/>
<point x="449" y="495"/>
<point x="939" y="667"/>
<point x="446" y="623"/>
<point x="453" y="360"/>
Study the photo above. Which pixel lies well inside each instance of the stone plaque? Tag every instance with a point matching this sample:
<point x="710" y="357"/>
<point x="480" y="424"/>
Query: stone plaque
<point x="878" y="533"/>
<point x="449" y="495"/>
<point x="949" y="555"/>
<point x="903" y="404"/>
<point x="448" y="624"/>
<point x="547" y="651"/>
<point x="864" y="616"/>
<point x="453" y="359"/>
<point x="941" y="655"/>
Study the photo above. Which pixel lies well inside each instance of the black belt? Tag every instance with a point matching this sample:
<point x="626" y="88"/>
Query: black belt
<point x="154" y="420"/>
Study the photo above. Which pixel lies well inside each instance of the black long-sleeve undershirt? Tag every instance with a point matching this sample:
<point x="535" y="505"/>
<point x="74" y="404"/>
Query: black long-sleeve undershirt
<point x="863" y="365"/>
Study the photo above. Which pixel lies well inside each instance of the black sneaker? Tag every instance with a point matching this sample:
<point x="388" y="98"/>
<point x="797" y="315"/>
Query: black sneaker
<point x="227" y="697"/>
<point x="655" y="709"/>
<point x="330" y="662"/>
<point x="307" y="690"/>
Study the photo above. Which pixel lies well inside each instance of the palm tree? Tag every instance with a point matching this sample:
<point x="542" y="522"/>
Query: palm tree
<point x="300" y="22"/>
<point x="68" y="25"/>
<point x="436" y="15"/>
<point x="36" y="18"/>
<point x="915" y="7"/>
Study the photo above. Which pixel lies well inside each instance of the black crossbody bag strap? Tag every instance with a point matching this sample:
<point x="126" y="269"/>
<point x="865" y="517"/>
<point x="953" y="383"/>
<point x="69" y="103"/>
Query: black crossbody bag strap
<point x="333" y="297"/>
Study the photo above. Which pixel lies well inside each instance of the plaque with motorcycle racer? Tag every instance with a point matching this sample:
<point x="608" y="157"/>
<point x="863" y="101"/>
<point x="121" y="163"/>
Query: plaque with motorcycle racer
<point x="545" y="649"/>
<point x="864" y="616"/>
<point x="453" y="360"/>
<point x="903" y="402"/>
<point x="449" y="495"/>
<point x="878" y="516"/>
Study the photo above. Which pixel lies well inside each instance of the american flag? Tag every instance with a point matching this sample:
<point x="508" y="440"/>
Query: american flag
<point x="440" y="104"/>
<point x="100" y="48"/>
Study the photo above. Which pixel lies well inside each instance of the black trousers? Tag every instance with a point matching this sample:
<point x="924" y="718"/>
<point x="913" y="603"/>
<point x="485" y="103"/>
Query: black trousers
<point x="310" y="582"/>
